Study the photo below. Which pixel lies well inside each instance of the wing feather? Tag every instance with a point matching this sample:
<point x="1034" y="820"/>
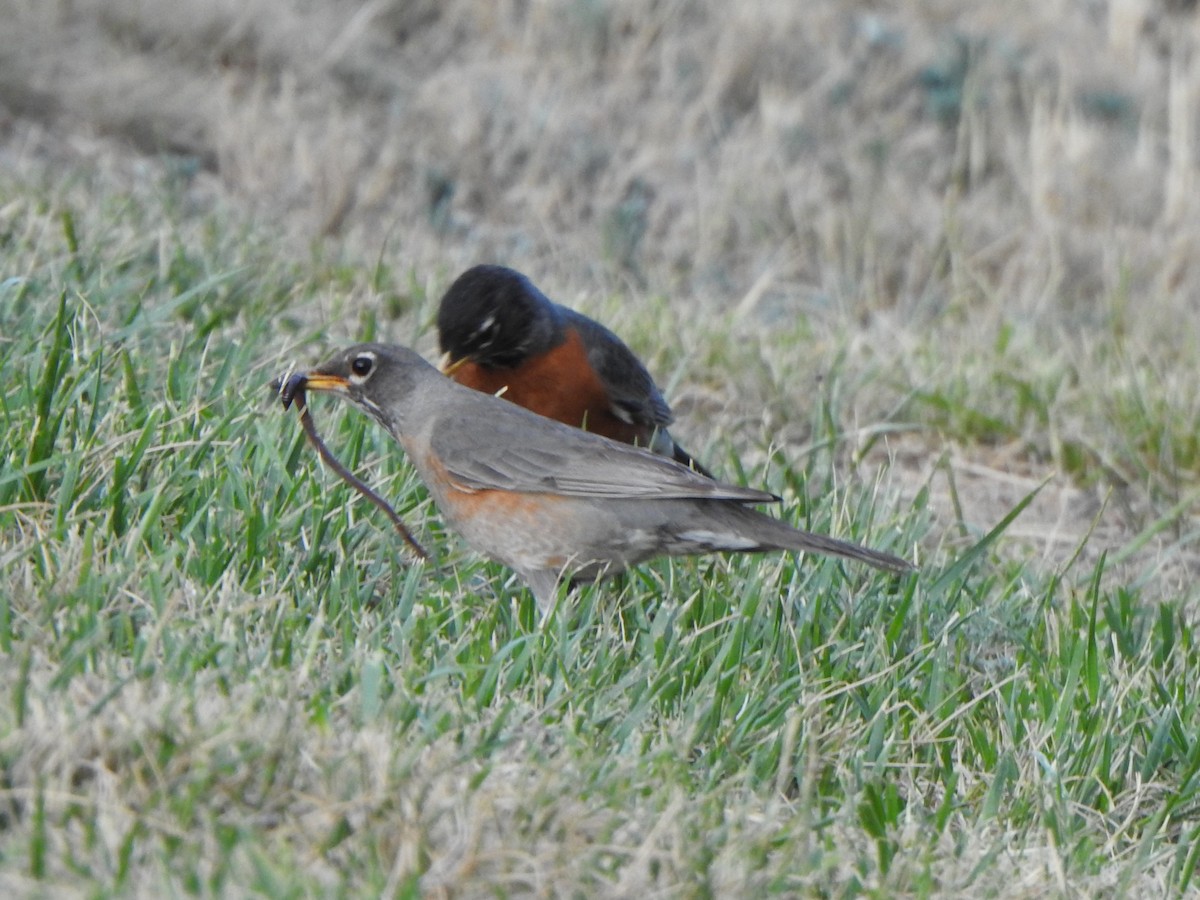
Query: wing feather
<point x="525" y="452"/>
<point x="631" y="388"/>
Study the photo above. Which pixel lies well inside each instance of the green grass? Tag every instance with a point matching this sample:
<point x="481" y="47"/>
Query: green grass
<point x="220" y="674"/>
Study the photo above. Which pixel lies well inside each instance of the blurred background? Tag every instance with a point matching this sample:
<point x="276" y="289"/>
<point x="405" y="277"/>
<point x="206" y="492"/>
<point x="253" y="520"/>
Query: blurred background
<point x="797" y="154"/>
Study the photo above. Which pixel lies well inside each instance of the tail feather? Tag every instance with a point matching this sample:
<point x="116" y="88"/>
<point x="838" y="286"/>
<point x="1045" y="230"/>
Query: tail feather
<point x="819" y="543"/>
<point x="749" y="530"/>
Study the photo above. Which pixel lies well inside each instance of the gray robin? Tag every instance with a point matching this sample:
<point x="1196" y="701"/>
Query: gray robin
<point x="499" y="334"/>
<point x="553" y="502"/>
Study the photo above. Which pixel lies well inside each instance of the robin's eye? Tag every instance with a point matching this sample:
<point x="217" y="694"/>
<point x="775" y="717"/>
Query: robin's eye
<point x="362" y="366"/>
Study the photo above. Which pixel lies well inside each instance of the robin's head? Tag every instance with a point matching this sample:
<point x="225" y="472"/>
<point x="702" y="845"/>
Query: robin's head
<point x="495" y="317"/>
<point x="377" y="378"/>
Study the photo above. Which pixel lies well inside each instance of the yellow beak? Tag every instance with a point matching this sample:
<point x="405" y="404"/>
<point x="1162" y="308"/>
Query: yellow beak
<point x="318" y="382"/>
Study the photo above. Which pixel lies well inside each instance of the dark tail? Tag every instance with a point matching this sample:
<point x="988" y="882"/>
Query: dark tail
<point x="819" y="543"/>
<point x="737" y="527"/>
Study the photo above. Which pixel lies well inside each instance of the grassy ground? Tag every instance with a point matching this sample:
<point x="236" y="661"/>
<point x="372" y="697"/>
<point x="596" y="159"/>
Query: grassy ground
<point x="221" y="674"/>
<point x="929" y="275"/>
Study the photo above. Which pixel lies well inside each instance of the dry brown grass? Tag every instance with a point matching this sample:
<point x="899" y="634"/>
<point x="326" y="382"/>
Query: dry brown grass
<point x="823" y="152"/>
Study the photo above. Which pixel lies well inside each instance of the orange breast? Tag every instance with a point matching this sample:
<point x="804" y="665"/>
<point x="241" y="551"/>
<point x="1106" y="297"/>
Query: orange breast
<point x="525" y="531"/>
<point x="560" y="384"/>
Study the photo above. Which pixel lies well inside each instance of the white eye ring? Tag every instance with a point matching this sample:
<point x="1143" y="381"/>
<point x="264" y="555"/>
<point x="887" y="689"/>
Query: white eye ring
<point x="362" y="366"/>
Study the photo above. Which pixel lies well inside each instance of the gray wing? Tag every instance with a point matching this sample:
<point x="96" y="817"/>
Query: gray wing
<point x="635" y="396"/>
<point x="521" y="451"/>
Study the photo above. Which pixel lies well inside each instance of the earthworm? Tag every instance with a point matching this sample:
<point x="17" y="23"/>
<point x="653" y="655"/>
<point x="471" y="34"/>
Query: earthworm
<point x="292" y="391"/>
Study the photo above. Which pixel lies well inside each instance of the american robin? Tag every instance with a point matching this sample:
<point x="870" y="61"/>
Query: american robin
<point x="499" y="334"/>
<point x="551" y="501"/>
